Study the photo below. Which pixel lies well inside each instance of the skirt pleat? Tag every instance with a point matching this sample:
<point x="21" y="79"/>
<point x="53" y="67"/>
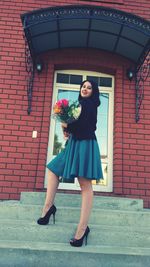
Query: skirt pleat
<point x="80" y="158"/>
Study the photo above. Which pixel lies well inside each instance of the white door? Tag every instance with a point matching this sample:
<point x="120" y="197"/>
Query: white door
<point x="66" y="85"/>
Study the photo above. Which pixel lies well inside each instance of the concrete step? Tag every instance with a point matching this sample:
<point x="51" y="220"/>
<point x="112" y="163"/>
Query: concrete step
<point x="119" y="237"/>
<point x="62" y="232"/>
<point x="71" y="215"/>
<point x="74" y="200"/>
<point x="31" y="254"/>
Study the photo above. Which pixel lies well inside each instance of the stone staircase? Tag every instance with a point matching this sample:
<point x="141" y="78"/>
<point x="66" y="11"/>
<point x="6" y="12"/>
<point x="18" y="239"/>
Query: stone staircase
<point x="119" y="237"/>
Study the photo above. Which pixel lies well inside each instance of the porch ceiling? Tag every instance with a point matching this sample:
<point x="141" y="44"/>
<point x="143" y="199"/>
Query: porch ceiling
<point x="87" y="27"/>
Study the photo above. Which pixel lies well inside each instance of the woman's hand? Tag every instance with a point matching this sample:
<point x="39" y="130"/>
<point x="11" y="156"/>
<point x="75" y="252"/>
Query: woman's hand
<point x="66" y="135"/>
<point x="64" y="125"/>
<point x="65" y="132"/>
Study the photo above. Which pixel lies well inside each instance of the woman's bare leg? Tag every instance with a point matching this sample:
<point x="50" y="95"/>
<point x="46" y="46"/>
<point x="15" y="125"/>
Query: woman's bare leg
<point x="52" y="185"/>
<point x="86" y="206"/>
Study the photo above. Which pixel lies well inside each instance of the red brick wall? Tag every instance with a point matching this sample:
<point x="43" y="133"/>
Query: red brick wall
<point x="22" y="159"/>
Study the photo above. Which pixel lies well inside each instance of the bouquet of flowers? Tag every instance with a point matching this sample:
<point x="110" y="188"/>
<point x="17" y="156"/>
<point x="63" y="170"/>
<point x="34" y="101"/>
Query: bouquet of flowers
<point x="66" y="111"/>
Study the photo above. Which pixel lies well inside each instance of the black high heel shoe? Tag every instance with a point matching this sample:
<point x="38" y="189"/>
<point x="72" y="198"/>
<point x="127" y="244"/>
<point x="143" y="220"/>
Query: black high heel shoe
<point x="45" y="220"/>
<point x="78" y="242"/>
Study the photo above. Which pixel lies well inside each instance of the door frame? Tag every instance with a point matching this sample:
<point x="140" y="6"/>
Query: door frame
<point x="103" y="187"/>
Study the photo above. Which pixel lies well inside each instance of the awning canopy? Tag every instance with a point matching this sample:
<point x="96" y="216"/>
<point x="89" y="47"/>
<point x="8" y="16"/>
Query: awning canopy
<point x="87" y="27"/>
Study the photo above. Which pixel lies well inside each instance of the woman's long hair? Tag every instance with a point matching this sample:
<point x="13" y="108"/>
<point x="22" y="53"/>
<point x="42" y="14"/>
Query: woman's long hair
<point x="95" y="92"/>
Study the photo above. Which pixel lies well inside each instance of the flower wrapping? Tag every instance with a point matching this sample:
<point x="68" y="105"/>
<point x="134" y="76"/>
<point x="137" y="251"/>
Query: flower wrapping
<point x="66" y="111"/>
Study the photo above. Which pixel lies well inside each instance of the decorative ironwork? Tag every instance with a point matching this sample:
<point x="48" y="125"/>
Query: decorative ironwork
<point x="141" y="75"/>
<point x="31" y="71"/>
<point x="120" y="26"/>
<point x="87" y="11"/>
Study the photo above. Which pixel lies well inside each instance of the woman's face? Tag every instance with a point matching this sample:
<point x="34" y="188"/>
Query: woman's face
<point x="86" y="89"/>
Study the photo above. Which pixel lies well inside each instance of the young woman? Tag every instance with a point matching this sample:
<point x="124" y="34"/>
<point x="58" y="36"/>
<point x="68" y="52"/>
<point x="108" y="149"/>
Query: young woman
<point x="80" y="158"/>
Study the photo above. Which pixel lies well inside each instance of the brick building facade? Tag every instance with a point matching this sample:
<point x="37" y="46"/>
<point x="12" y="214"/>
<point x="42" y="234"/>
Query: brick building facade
<point x="22" y="157"/>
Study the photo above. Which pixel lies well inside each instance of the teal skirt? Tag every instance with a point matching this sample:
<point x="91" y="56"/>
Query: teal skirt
<point x="80" y="158"/>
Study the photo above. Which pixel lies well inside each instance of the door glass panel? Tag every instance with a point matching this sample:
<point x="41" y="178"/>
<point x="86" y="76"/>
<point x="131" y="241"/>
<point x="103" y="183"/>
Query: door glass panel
<point x="69" y="78"/>
<point x="59" y="140"/>
<point x="102" y="124"/>
<point x="62" y="78"/>
<point x="94" y="79"/>
<point x="105" y="82"/>
<point x="101" y="81"/>
<point x="102" y="133"/>
<point x="75" y="79"/>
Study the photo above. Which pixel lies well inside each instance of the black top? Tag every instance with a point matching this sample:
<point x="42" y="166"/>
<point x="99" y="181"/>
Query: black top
<point x="85" y="126"/>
